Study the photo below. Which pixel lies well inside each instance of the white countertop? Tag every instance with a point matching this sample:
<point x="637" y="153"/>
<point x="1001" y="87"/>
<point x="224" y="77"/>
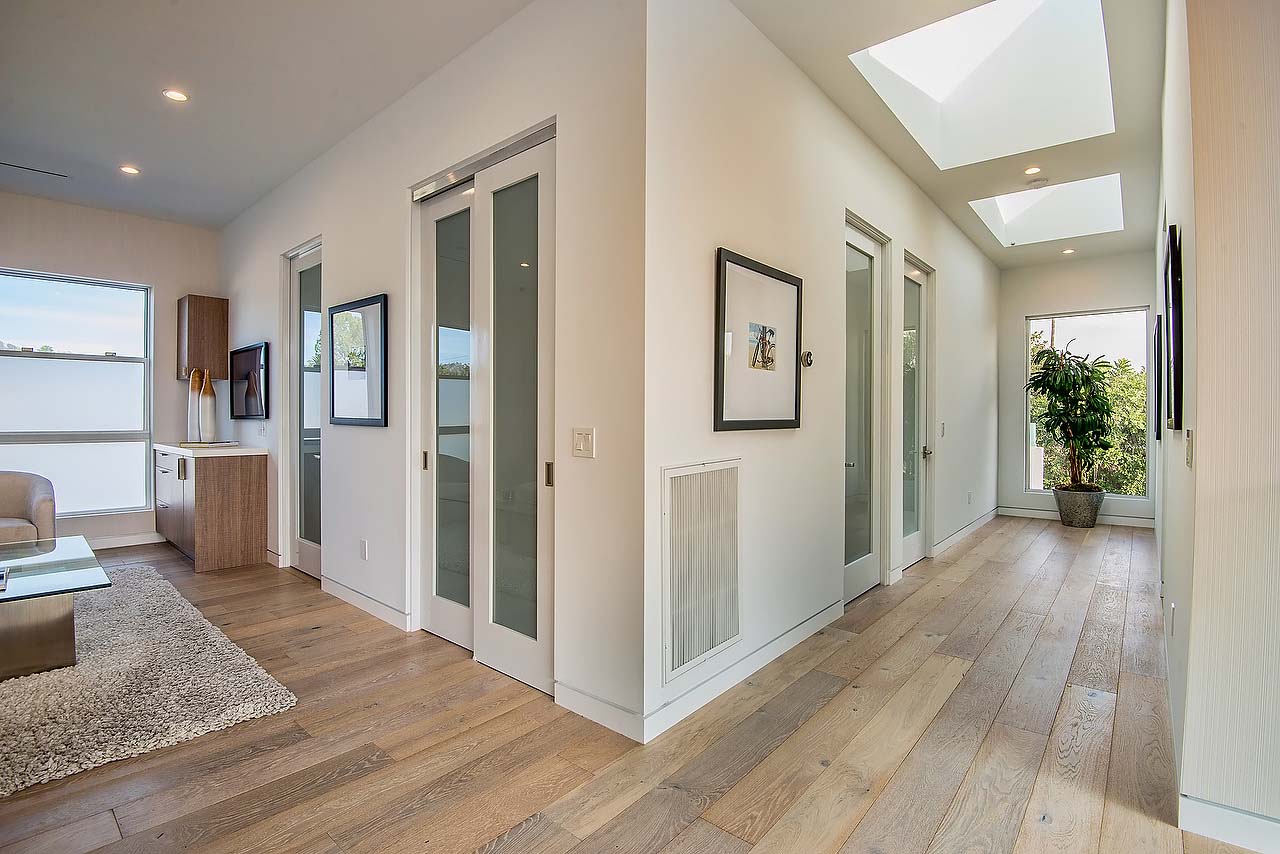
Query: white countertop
<point x="228" y="451"/>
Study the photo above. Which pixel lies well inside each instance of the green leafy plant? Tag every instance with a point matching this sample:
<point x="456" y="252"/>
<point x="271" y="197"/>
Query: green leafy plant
<point x="1077" y="414"/>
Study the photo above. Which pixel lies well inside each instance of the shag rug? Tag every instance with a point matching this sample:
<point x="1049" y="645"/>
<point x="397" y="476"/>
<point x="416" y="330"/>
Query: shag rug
<point x="151" y="672"/>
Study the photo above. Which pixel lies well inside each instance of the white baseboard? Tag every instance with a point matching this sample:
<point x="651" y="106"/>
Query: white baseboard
<point x="963" y="532"/>
<point x="276" y="559"/>
<point x="353" y="597"/>
<point x="626" y="722"/>
<point x="1237" y="827"/>
<point x="1131" y="521"/>
<point x="673" y="711"/>
<point x="118" y="542"/>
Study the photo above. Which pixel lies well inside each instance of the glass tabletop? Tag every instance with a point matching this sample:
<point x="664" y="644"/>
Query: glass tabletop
<point x="49" y="567"/>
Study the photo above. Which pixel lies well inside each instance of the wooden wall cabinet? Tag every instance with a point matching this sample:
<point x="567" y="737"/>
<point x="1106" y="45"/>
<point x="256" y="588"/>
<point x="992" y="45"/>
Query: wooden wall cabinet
<point x="213" y="505"/>
<point x="202" y="336"/>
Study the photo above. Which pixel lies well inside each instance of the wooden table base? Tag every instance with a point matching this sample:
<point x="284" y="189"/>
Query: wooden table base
<point x="37" y="635"/>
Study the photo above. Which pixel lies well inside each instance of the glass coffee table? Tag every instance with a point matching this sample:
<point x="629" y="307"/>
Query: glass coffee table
<point x="37" y="613"/>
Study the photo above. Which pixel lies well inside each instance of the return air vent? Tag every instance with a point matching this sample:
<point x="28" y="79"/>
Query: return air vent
<point x="700" y="557"/>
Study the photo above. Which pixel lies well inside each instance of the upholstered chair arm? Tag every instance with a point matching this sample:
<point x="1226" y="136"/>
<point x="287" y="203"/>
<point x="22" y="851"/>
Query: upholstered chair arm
<point x="40" y="507"/>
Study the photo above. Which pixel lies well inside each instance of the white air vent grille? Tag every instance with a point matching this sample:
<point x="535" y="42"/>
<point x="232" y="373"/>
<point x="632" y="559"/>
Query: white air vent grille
<point x="701" y="556"/>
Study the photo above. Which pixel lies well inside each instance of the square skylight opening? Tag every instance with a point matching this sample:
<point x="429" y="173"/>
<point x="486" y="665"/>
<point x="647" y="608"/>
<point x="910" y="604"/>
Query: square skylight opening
<point x="1005" y="77"/>
<point x="1057" y="212"/>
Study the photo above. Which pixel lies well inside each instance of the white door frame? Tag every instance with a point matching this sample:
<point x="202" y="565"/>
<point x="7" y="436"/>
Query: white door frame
<point x="289" y="473"/>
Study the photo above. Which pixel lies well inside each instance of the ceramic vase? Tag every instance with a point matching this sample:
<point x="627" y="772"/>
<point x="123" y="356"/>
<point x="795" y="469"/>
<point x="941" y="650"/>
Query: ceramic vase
<point x="193" y="405"/>
<point x="208" y="411"/>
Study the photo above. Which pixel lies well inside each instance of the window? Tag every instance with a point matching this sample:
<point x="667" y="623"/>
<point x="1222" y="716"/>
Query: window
<point x="75" y="378"/>
<point x="1121" y="337"/>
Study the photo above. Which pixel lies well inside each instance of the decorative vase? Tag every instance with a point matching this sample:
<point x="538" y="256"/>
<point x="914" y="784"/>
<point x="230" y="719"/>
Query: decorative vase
<point x="208" y="411"/>
<point x="1078" y="508"/>
<point x="193" y="405"/>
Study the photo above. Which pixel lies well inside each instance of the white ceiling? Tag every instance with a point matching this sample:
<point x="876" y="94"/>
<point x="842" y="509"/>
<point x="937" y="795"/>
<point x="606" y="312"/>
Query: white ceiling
<point x="273" y="84"/>
<point x="820" y="35"/>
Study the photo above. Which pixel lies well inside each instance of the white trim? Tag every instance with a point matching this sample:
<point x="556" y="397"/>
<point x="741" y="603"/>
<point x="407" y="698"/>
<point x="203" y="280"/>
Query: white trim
<point x="144" y="538"/>
<point x="386" y="613"/>
<point x="1237" y="827"/>
<point x="276" y="559"/>
<point x="962" y="533"/>
<point x="624" y="721"/>
<point x="1132" y="521"/>
<point x="673" y="711"/>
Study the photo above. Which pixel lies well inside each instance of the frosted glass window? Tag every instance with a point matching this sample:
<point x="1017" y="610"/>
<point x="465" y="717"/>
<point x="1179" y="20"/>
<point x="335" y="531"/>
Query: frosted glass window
<point x="87" y="476"/>
<point x="53" y="316"/>
<point x="75" y="379"/>
<point x="72" y="395"/>
<point x="453" y="408"/>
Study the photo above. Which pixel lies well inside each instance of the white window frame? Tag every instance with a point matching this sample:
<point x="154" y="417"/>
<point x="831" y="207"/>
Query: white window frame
<point x="91" y="436"/>
<point x="1026" y="398"/>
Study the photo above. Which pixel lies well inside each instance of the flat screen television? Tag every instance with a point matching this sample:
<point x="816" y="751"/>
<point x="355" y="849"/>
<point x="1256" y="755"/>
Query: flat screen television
<point x="249" y="391"/>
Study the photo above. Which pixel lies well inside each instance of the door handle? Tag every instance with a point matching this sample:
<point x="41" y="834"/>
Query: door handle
<point x="849" y="465"/>
<point x="182" y="468"/>
<point x="926" y="452"/>
<point x="549" y="474"/>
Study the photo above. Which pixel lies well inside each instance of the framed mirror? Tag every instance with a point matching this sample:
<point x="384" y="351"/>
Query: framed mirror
<point x="358" y="362"/>
<point x="249" y="392"/>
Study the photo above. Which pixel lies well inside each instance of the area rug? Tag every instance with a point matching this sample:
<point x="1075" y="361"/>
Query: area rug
<point x="151" y="672"/>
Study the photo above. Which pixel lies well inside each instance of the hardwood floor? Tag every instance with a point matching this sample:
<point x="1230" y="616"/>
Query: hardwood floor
<point x="1007" y="696"/>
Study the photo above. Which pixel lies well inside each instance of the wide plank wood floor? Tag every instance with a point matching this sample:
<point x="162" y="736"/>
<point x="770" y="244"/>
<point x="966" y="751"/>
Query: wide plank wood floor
<point x="1007" y="696"/>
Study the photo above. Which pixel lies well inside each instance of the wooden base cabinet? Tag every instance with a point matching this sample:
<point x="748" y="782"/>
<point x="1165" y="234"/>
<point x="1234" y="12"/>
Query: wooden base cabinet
<point x="213" y="508"/>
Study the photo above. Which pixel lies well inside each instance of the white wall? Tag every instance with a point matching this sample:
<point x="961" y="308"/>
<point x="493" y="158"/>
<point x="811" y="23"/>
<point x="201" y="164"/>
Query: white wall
<point x="745" y="152"/>
<point x="581" y="61"/>
<point x="1089" y="284"/>
<point x="174" y="259"/>
<point x="1231" y="744"/>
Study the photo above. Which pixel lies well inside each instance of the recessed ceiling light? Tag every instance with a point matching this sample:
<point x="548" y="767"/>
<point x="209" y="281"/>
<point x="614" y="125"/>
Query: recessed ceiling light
<point x="1031" y="170"/>
<point x="1068" y="251"/>
<point x="130" y="170"/>
<point x="175" y="95"/>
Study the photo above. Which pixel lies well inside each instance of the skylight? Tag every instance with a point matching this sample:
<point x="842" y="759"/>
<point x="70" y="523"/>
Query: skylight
<point x="1074" y="209"/>
<point x="1006" y="77"/>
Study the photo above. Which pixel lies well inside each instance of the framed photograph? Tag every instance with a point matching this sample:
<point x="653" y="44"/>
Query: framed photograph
<point x="248" y="376"/>
<point x="1173" y="329"/>
<point x="1157" y="378"/>
<point x="358" y="362"/>
<point x="757" y="366"/>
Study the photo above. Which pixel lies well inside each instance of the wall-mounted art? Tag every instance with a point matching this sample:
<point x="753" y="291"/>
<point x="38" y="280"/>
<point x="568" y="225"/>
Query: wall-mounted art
<point x="248" y="373"/>
<point x="1173" y="328"/>
<point x="757" y="367"/>
<point x="358" y="362"/>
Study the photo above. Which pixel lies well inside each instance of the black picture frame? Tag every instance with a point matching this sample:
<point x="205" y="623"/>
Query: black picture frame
<point x="252" y="356"/>
<point x="724" y="259"/>
<point x="380" y="418"/>
<point x="1173" y="328"/>
<point x="1157" y="378"/>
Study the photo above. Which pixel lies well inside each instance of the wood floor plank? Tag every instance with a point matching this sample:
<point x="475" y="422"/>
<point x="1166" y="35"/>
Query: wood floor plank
<point x="1194" y="844"/>
<point x="760" y="798"/>
<point x="986" y="812"/>
<point x="1036" y="694"/>
<point x="535" y="835"/>
<point x="909" y="812"/>
<point x="876" y="602"/>
<point x="975" y="631"/>
<point x="701" y="837"/>
<point x="1116" y="558"/>
<point x="822" y="817"/>
<point x="1097" y="661"/>
<point x="1141" y="810"/>
<point x="662" y="814"/>
<point x="87" y="834"/>
<point x="1143" y="649"/>
<point x="1065" y="810"/>
<point x="1043" y="590"/>
<point x="865" y="648"/>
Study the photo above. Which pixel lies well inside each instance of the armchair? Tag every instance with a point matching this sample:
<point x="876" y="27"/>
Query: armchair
<point x="26" y="507"/>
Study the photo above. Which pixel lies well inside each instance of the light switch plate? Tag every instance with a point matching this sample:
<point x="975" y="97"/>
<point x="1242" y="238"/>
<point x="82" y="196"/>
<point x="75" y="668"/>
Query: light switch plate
<point x="584" y="442"/>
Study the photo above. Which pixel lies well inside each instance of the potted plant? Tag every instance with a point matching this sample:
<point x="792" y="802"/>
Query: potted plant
<point x="1078" y="417"/>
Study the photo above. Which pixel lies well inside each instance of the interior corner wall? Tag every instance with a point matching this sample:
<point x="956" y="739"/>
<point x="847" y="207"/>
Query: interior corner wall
<point x="744" y="151"/>
<point x="582" y="62"/>
<point x="47" y="236"/>
<point x="1231" y="744"/>
<point x="1062" y="287"/>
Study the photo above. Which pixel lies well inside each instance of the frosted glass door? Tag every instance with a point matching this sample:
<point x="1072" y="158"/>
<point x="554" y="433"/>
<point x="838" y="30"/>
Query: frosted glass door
<point x="914" y="450"/>
<point x="307" y="405"/>
<point x="861" y="463"/>
<point x="515" y="257"/>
